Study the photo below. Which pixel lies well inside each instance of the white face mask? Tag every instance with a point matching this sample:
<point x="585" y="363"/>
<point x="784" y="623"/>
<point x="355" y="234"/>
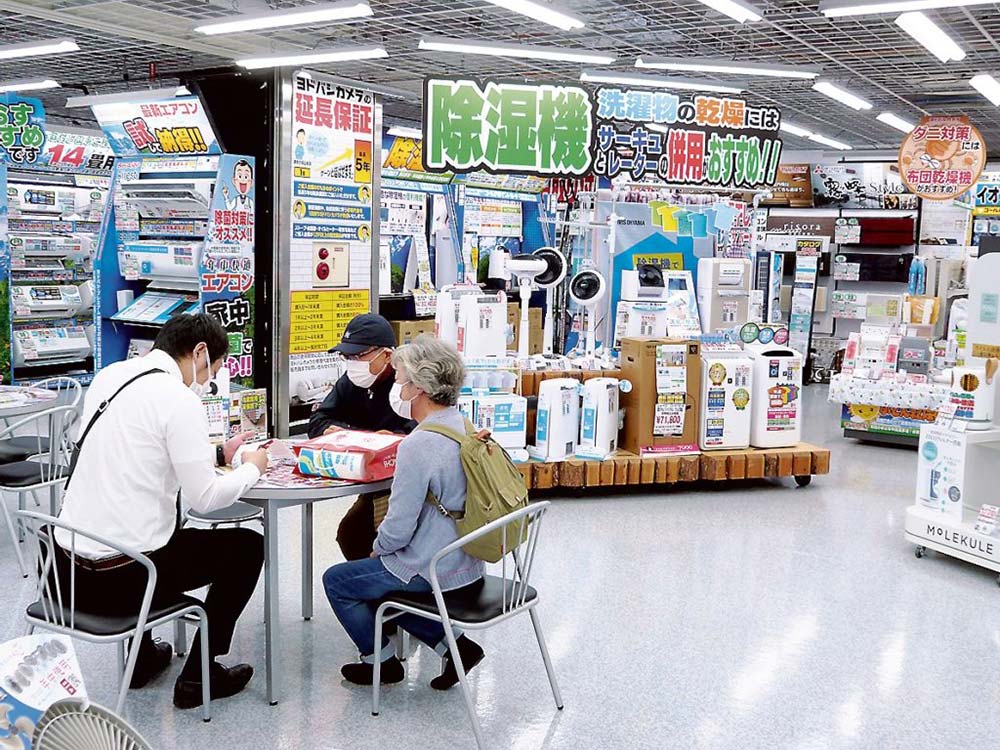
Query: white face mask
<point x="201" y="390"/>
<point x="401" y="407"/>
<point x="359" y="373"/>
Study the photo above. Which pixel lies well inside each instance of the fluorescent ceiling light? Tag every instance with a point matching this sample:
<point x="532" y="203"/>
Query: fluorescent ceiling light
<point x="705" y="65"/>
<point x="841" y="95"/>
<point x="988" y="86"/>
<point x="829" y="142"/>
<point x="48" y="83"/>
<point x="469" y="47"/>
<point x="310" y="14"/>
<point x="405" y="132"/>
<point x="734" y="9"/>
<point x="341" y="54"/>
<point x="657" y="127"/>
<point x="34" y="49"/>
<point x="931" y="36"/>
<point x="838" y="8"/>
<point x="895" y="122"/>
<point x="140" y="95"/>
<point x="795" y="129"/>
<point x="544" y="13"/>
<point x="656" y="82"/>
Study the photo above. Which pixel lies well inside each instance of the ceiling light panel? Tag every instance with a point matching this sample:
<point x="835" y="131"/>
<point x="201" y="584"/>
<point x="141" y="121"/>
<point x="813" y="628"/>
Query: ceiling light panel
<point x="35" y="49"/>
<point x="988" y="86"/>
<point x="658" y="82"/>
<point x="735" y="9"/>
<point x="316" y="57"/>
<point x="310" y="14"/>
<point x="930" y="36"/>
<point x="540" y="12"/>
<point x="893" y="121"/>
<point x="841" y="95"/>
<point x="840" y="8"/>
<point x="47" y="83"/>
<point x="709" y="65"/>
<point x="527" y="52"/>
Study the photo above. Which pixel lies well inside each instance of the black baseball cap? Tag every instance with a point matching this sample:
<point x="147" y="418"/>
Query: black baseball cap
<point x="365" y="332"/>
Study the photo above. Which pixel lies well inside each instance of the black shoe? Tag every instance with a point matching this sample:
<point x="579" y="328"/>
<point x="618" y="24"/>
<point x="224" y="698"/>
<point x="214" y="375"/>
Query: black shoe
<point x="225" y="682"/>
<point x="364" y="674"/>
<point x="150" y="664"/>
<point x="471" y="653"/>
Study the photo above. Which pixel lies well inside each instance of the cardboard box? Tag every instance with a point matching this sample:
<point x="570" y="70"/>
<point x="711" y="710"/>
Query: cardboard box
<point x="649" y="411"/>
<point x="407" y="330"/>
<point x="535" y="326"/>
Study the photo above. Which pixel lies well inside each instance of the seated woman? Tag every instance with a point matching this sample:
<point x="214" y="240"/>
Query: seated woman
<point x="429" y="377"/>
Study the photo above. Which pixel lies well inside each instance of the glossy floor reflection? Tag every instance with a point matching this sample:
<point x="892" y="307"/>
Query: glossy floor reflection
<point x="758" y="617"/>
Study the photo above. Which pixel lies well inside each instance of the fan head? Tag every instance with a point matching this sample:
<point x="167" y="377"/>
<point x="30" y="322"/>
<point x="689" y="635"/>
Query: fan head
<point x="587" y="288"/>
<point x="555" y="267"/>
<point x="71" y="725"/>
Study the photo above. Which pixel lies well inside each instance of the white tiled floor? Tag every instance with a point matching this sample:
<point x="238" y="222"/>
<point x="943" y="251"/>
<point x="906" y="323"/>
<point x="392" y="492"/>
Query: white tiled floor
<point x="760" y="616"/>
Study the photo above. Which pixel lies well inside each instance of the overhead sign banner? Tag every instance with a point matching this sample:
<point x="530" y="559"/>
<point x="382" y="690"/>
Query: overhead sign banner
<point x="942" y="157"/>
<point x="506" y="127"/>
<point x="22" y="129"/>
<point x="561" y="131"/>
<point x="169" y="127"/>
<point x="792" y="188"/>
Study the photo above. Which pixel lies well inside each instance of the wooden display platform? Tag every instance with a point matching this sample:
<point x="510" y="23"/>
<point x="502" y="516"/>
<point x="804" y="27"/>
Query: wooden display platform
<point x="625" y="469"/>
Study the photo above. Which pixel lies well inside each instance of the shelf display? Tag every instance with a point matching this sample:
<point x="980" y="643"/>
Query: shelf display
<point x="52" y="211"/>
<point x="181" y="235"/>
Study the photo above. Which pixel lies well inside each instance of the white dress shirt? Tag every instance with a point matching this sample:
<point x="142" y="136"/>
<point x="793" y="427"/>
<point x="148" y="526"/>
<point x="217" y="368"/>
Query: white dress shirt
<point x="151" y="441"/>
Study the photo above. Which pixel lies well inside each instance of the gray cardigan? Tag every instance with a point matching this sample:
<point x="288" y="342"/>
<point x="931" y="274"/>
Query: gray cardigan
<point x="413" y="530"/>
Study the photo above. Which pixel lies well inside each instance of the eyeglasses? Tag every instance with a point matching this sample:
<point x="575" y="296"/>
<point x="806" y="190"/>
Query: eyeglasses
<point x="366" y="356"/>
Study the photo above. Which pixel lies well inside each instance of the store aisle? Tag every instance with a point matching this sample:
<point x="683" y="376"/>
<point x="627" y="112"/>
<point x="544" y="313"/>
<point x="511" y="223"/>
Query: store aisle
<point x="757" y="617"/>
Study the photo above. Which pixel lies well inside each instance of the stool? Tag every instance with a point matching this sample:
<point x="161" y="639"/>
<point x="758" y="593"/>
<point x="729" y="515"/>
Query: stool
<point x="236" y="514"/>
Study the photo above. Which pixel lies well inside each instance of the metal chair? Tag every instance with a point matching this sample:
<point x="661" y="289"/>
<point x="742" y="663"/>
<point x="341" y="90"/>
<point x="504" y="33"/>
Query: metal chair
<point x="236" y="514"/>
<point x="496" y="599"/>
<point x="59" y="611"/>
<point x="69" y="392"/>
<point x="28" y="475"/>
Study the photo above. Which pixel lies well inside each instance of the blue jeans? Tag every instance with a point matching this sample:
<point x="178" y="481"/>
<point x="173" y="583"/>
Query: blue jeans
<point x="354" y="589"/>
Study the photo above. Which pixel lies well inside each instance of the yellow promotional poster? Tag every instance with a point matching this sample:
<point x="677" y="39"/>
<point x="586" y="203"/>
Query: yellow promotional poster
<point x="319" y="318"/>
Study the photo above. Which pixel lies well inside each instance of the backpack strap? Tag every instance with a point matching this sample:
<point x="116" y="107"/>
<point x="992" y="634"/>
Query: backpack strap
<point x="440" y="429"/>
<point x="100" y="410"/>
<point x="455" y="435"/>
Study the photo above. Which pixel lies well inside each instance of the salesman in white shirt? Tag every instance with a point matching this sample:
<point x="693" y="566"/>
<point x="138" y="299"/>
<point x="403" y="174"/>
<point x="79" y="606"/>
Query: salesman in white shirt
<point x="150" y="441"/>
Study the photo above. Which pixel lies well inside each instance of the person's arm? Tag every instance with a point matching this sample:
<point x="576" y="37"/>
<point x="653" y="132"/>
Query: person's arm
<point x="193" y="459"/>
<point x="409" y="492"/>
<point x="331" y="412"/>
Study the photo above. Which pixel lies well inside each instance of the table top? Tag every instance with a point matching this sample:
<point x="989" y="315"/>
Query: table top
<point x="17" y="400"/>
<point x="282" y="484"/>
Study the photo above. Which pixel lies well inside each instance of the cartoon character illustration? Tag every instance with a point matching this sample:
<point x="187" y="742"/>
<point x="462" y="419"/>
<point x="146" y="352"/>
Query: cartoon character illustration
<point x="299" y="209"/>
<point x="243" y="182"/>
<point x="300" y="144"/>
<point x="717" y="373"/>
<point x="741" y="397"/>
<point x="864" y="413"/>
<point x="365" y="194"/>
<point x="938" y="154"/>
<point x="364" y="233"/>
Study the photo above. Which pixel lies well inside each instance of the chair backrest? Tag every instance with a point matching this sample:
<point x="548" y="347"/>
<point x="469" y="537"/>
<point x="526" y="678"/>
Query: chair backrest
<point x="57" y="594"/>
<point x="56" y="448"/>
<point x="68" y="390"/>
<point x="520" y="543"/>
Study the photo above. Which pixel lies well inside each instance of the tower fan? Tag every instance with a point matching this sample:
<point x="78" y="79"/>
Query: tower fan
<point x="549" y="280"/>
<point x="587" y="289"/>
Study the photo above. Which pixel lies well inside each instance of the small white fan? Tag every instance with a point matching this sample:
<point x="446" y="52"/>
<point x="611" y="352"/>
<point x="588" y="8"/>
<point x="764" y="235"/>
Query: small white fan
<point x="74" y="725"/>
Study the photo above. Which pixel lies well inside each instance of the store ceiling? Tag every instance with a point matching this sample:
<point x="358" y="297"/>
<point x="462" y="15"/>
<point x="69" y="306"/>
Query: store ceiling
<point x="121" y="39"/>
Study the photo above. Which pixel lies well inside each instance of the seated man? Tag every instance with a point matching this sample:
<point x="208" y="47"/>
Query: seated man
<point x="429" y="377"/>
<point x="360" y="401"/>
<point x="151" y="441"/>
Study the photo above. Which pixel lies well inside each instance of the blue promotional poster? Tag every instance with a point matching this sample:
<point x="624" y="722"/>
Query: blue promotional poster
<point x="22" y="129"/>
<point x="227" y="263"/>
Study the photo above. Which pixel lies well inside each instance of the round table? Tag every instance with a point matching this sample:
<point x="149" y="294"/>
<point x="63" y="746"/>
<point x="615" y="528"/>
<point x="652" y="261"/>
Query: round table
<point x="19" y="400"/>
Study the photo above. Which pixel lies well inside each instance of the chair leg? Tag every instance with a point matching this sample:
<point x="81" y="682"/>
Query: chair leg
<point x="34" y="496"/>
<point x="180" y="637"/>
<point x="20" y="526"/>
<point x="545" y="658"/>
<point x="377" y="654"/>
<point x="402" y="644"/>
<point x="206" y="661"/>
<point x="463" y="681"/>
<point x="14" y="538"/>
<point x="133" y="655"/>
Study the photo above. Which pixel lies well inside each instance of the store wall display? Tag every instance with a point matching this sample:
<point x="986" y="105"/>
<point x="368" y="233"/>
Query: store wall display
<point x="792" y="187"/>
<point x="561" y="131"/>
<point x="183" y="233"/>
<point x="330" y="159"/>
<point x="942" y="157"/>
<point x="52" y="207"/>
<point x="860" y="186"/>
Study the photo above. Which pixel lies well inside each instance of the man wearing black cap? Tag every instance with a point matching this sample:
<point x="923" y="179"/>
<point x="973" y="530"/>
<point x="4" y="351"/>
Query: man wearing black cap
<point x="360" y="401"/>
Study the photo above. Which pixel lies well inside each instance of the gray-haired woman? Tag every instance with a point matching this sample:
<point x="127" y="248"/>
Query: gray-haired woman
<point x="429" y="377"/>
